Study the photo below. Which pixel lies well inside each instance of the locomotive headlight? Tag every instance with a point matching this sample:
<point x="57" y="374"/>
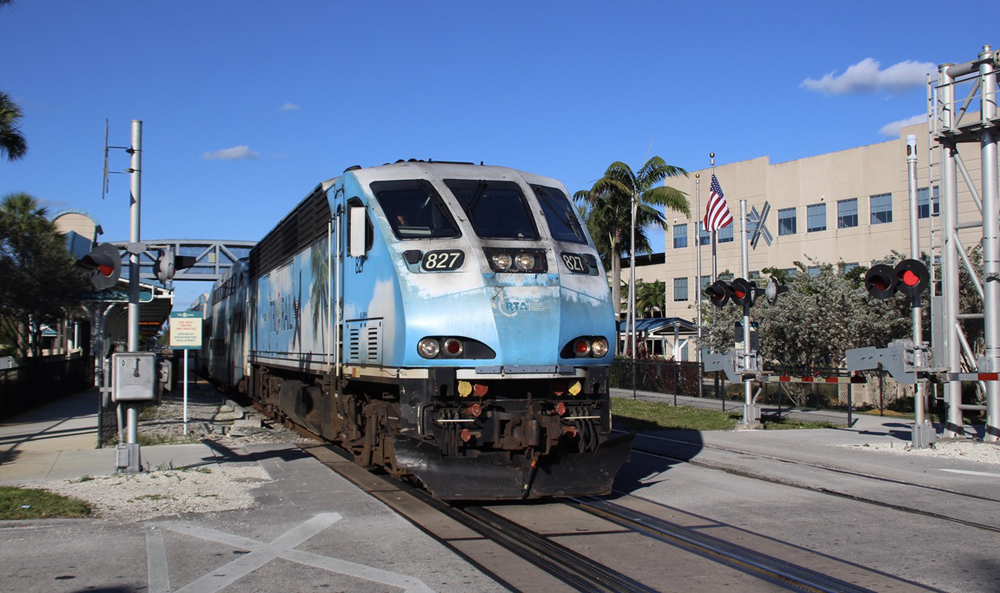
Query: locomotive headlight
<point x="428" y="348"/>
<point x="501" y="261"/>
<point x="581" y="347"/>
<point x="525" y="261"/>
<point x="453" y="347"/>
<point x="599" y="348"/>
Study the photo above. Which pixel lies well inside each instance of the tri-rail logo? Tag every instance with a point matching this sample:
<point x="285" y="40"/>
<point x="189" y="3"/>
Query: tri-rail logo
<point x="511" y="308"/>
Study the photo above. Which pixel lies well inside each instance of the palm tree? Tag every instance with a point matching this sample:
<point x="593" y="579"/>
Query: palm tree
<point x="12" y="142"/>
<point x="611" y="214"/>
<point x="650" y="296"/>
<point x="40" y="280"/>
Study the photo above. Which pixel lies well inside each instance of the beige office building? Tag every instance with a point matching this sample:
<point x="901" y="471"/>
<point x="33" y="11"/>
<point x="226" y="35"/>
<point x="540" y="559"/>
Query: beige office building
<point x="850" y="206"/>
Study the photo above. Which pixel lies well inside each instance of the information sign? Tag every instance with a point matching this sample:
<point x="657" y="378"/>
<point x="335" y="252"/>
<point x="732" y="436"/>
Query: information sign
<point x="113" y="296"/>
<point x="185" y="330"/>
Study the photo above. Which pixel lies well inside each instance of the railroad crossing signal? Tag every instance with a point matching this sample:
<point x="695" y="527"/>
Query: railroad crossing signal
<point x="909" y="277"/>
<point x="104" y="264"/>
<point x="169" y="264"/>
<point x="759" y="228"/>
<point x="718" y="293"/>
<point x="772" y="290"/>
<point x="743" y="292"/>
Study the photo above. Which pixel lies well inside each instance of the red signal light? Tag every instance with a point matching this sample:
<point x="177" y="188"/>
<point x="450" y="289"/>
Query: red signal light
<point x="104" y="264"/>
<point x="909" y="277"/>
<point x="912" y="277"/>
<point x="743" y="292"/>
<point x="718" y="293"/>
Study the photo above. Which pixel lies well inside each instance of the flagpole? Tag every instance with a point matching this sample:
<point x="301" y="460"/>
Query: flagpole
<point x="697" y="280"/>
<point x="631" y="280"/>
<point x="715" y="257"/>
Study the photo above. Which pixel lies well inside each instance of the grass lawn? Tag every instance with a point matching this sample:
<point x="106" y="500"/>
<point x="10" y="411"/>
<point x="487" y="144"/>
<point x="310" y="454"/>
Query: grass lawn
<point x="641" y="415"/>
<point x="30" y="503"/>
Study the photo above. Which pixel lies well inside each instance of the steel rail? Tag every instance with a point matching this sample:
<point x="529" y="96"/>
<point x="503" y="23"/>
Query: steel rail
<point x="888" y="505"/>
<point x="762" y="566"/>
<point x="572" y="568"/>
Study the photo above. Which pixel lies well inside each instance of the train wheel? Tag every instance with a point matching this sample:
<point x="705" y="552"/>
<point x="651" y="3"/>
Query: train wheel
<point x="378" y="440"/>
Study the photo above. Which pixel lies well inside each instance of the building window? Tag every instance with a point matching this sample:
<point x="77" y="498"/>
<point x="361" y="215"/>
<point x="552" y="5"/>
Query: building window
<point x="815" y="218"/>
<point x="726" y="234"/>
<point x="786" y="221"/>
<point x="881" y="207"/>
<point x="706" y="281"/>
<point x="704" y="236"/>
<point x="680" y="236"/>
<point x="681" y="289"/>
<point x="847" y="213"/>
<point x="924" y="196"/>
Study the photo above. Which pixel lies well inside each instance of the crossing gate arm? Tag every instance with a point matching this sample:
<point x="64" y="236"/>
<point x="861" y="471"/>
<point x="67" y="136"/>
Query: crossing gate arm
<point x="810" y="379"/>
<point x="973" y="376"/>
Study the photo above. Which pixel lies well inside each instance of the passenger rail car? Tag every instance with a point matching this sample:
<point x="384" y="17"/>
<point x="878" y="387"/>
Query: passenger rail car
<point x="449" y="322"/>
<point x="225" y="324"/>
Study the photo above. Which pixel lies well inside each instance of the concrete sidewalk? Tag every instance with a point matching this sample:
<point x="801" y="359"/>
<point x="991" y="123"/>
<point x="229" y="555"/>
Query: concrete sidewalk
<point x="58" y="441"/>
<point x="345" y="539"/>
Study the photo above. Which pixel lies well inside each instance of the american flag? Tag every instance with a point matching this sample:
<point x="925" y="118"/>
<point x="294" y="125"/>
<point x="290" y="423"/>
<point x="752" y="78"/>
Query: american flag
<point x="718" y="214"/>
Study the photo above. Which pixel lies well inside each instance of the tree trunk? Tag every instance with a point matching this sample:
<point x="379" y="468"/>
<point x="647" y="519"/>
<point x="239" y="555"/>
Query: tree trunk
<point x="616" y="281"/>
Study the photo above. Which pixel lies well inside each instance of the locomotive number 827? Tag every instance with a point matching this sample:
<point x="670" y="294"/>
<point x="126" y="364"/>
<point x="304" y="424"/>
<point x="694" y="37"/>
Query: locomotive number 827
<point x="449" y="322"/>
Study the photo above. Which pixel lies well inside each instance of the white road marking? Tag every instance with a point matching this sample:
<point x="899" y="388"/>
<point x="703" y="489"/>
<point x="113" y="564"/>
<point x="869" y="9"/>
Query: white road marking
<point x="260" y="554"/>
<point x="971" y="473"/>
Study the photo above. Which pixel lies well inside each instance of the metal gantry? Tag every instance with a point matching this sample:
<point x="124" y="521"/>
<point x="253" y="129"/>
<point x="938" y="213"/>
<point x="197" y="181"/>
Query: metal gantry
<point x="213" y="257"/>
<point x="951" y="125"/>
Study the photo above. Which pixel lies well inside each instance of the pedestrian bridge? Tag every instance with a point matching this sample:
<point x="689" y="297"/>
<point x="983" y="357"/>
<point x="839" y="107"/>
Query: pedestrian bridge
<point x="213" y="258"/>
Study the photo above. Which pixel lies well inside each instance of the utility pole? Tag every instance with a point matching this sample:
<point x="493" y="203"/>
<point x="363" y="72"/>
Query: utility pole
<point x="135" y="172"/>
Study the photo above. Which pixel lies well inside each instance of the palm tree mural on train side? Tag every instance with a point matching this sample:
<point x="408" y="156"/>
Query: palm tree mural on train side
<point x="609" y="211"/>
<point x="318" y="292"/>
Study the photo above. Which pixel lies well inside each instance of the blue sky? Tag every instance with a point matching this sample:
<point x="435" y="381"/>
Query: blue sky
<point x="248" y="105"/>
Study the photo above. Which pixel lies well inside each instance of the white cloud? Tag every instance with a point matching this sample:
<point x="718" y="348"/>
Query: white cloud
<point x="893" y="129"/>
<point x="289" y="107"/>
<point x="867" y="77"/>
<point x="231" y="154"/>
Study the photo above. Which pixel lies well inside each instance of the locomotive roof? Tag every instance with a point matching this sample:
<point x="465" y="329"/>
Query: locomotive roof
<point x="445" y="170"/>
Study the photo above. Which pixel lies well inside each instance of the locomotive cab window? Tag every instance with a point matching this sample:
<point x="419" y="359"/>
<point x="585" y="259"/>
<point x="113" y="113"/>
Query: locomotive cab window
<point x="497" y="209"/>
<point x="414" y="209"/>
<point x="559" y="215"/>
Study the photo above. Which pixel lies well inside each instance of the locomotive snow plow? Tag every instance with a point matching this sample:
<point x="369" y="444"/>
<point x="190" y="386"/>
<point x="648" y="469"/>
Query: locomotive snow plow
<point x="499" y="477"/>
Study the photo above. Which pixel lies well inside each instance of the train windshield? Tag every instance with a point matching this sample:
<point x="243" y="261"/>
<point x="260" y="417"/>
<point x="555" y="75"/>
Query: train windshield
<point x="414" y="209"/>
<point x="559" y="215"/>
<point x="497" y="209"/>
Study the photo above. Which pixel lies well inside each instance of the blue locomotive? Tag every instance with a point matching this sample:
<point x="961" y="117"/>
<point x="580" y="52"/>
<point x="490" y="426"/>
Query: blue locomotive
<point x="449" y="322"/>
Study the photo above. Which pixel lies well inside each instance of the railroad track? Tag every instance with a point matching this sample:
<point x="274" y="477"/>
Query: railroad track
<point x="778" y="479"/>
<point x="763" y="566"/>
<point x="556" y="549"/>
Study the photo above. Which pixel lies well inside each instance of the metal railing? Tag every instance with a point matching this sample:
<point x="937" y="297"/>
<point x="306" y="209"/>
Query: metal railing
<point x="800" y="387"/>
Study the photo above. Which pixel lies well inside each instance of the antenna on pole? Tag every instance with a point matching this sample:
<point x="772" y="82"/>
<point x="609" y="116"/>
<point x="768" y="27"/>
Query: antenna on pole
<point x="104" y="183"/>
